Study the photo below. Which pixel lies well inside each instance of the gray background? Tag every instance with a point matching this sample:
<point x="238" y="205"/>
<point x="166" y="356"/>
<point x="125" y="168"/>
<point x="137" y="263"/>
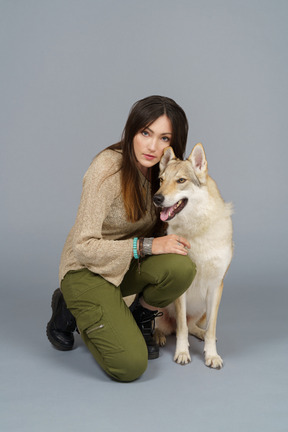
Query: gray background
<point x="70" y="71"/>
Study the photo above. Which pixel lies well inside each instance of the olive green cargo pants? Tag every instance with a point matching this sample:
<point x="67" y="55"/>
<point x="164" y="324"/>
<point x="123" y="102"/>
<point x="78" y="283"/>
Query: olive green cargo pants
<point x="103" y="318"/>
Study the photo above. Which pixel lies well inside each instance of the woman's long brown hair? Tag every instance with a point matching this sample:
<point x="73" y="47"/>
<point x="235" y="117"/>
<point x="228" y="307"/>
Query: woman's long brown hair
<point x="142" y="114"/>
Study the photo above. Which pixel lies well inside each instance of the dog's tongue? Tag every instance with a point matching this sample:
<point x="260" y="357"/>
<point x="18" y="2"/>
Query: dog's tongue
<point x="164" y="215"/>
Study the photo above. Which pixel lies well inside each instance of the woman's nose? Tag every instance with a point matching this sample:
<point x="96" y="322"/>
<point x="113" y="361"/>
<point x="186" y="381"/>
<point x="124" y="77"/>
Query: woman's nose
<point x="152" y="144"/>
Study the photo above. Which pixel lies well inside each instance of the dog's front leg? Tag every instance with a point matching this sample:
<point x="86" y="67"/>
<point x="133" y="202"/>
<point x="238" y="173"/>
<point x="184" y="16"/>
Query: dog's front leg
<point x="182" y="355"/>
<point x="213" y="299"/>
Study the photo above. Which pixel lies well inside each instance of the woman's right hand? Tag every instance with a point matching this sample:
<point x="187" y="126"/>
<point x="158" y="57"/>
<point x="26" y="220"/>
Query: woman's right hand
<point x="171" y="243"/>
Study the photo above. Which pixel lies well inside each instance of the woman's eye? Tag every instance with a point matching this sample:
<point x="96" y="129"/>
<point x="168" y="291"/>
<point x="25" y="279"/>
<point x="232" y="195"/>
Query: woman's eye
<point x="166" y="139"/>
<point x="181" y="180"/>
<point x="145" y="133"/>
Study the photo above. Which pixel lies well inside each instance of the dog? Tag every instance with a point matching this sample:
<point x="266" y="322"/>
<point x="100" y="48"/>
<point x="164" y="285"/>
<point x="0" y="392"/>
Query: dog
<point x="192" y="206"/>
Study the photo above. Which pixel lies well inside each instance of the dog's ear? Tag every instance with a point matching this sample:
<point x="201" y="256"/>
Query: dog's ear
<point x="198" y="159"/>
<point x="167" y="156"/>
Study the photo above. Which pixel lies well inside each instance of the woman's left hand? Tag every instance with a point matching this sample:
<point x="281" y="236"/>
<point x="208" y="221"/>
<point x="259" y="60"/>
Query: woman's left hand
<point x="171" y="243"/>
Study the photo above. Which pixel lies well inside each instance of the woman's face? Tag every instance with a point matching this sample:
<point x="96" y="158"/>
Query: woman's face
<point x="149" y="143"/>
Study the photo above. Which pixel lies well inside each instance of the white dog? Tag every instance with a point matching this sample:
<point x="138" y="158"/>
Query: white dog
<point x="193" y="207"/>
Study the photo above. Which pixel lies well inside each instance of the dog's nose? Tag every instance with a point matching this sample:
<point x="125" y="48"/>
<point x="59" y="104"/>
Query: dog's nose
<point x="158" y="199"/>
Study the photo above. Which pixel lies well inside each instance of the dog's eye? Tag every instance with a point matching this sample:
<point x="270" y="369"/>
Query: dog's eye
<point x="181" y="180"/>
<point x="160" y="179"/>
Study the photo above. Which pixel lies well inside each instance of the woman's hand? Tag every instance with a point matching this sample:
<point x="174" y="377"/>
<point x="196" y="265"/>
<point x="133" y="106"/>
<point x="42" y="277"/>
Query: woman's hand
<point x="171" y="243"/>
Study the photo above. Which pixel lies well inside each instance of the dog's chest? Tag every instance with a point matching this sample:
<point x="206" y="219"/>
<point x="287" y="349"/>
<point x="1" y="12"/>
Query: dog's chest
<point x="210" y="250"/>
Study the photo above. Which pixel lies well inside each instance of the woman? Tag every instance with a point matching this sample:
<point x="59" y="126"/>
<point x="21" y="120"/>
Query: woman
<point x="117" y="247"/>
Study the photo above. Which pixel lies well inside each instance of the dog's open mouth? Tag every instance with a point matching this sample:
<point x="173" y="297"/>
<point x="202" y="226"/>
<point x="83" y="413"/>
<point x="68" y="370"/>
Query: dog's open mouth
<point x="169" y="213"/>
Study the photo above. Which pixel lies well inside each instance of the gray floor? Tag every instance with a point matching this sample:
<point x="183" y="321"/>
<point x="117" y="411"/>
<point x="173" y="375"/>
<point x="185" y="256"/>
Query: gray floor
<point x="43" y="389"/>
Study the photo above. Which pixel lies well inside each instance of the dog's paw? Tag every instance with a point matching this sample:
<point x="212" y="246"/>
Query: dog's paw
<point x="159" y="338"/>
<point x="213" y="361"/>
<point x="182" y="358"/>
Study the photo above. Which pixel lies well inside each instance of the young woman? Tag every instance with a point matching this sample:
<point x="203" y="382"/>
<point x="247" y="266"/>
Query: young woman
<point x="117" y="247"/>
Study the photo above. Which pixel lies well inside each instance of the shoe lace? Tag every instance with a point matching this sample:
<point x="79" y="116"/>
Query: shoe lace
<point x="150" y="318"/>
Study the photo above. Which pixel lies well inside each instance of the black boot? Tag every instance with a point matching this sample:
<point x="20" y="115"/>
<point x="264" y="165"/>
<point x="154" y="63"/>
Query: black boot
<point x="62" y="324"/>
<point x="145" y="320"/>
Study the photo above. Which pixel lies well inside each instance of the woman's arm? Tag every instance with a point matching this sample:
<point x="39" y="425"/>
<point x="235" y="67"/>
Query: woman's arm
<point x="171" y="243"/>
<point x="100" y="188"/>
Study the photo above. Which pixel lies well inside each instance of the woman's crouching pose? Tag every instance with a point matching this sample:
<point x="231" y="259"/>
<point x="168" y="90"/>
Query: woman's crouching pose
<point x="118" y="247"/>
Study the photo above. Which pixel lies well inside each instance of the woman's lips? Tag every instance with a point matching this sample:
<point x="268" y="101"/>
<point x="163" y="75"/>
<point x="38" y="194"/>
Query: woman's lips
<point x="149" y="157"/>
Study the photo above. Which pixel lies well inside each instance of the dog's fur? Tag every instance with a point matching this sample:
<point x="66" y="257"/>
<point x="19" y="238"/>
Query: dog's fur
<point x="205" y="221"/>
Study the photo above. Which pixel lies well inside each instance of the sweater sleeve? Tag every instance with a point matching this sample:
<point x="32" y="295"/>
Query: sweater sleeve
<point x="102" y="256"/>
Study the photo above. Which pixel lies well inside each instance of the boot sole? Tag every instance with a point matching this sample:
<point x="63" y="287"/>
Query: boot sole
<point x="51" y="339"/>
<point x="153" y="356"/>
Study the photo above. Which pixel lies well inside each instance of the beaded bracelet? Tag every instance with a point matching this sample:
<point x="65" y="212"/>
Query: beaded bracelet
<point x="135" y="252"/>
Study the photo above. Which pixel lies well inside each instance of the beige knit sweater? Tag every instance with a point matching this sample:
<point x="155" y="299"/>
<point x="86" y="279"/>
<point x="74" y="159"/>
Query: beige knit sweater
<point x="102" y="238"/>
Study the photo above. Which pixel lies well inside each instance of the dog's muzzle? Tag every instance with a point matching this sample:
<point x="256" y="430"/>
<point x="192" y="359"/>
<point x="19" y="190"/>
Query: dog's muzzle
<point x="169" y="213"/>
<point x="158" y="200"/>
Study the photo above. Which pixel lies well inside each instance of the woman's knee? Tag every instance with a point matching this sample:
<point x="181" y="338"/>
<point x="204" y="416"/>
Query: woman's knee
<point x="178" y="269"/>
<point x="175" y="274"/>
<point x="123" y="365"/>
<point x="183" y="269"/>
<point x="129" y="366"/>
<point x="123" y="355"/>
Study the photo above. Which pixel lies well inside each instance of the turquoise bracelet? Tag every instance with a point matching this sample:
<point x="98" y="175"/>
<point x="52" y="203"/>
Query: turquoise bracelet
<point x="135" y="253"/>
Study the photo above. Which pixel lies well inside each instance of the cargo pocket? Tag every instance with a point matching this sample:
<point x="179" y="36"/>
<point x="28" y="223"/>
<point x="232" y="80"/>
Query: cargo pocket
<point x="96" y="327"/>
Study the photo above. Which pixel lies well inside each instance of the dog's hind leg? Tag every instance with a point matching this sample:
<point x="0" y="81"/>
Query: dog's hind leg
<point x="213" y="299"/>
<point x="182" y="355"/>
<point x="196" y="331"/>
<point x="165" y="326"/>
<point x="159" y="337"/>
<point x="197" y="326"/>
<point x="202" y="322"/>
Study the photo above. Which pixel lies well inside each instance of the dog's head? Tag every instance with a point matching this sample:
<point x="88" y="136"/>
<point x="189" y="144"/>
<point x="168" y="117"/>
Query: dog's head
<point x="180" y="181"/>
